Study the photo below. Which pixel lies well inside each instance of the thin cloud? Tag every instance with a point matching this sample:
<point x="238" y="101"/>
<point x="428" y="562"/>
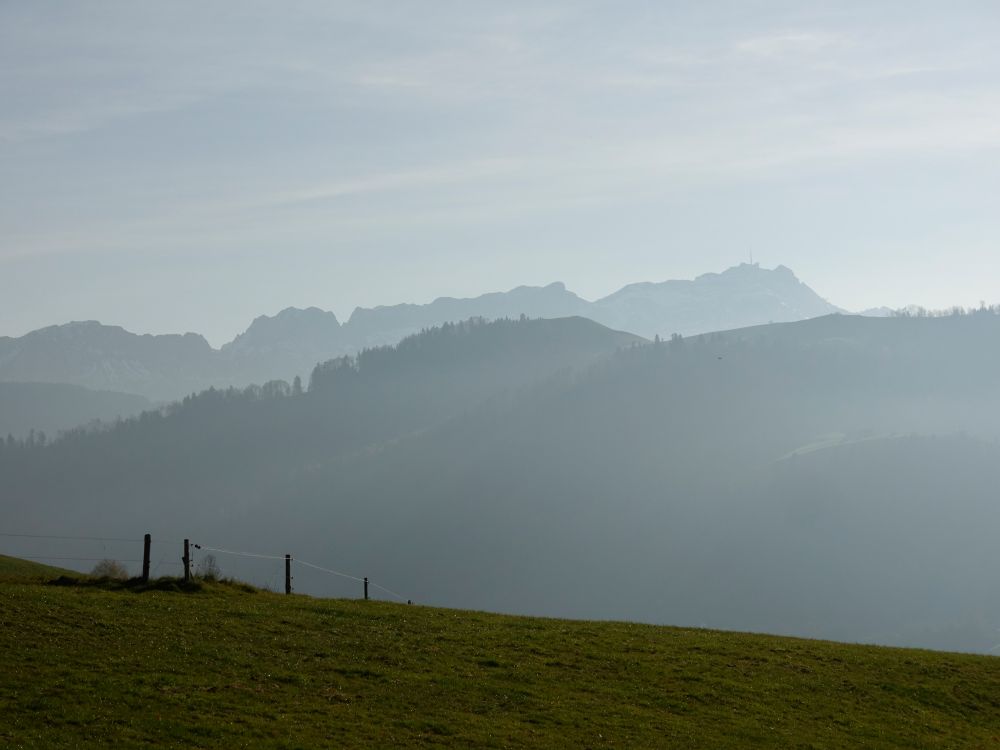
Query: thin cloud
<point x="420" y="179"/>
<point x="790" y="44"/>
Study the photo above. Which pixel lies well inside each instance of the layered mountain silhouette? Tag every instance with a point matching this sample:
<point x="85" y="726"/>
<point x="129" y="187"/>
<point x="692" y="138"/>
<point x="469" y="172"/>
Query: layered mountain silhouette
<point x="830" y="478"/>
<point x="744" y="295"/>
<point x="293" y="341"/>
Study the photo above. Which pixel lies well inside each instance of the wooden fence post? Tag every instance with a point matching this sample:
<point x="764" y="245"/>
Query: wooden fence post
<point x="288" y="574"/>
<point x="366" y="588"/>
<point x="145" y="558"/>
<point x="187" y="561"/>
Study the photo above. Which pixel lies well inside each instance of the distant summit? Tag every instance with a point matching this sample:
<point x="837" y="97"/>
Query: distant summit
<point x="291" y="342"/>
<point x="290" y="328"/>
<point x="742" y="296"/>
<point x="283" y="346"/>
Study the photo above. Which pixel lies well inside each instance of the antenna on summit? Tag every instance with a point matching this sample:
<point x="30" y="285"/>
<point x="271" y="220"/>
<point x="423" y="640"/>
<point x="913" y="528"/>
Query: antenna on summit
<point x="751" y="256"/>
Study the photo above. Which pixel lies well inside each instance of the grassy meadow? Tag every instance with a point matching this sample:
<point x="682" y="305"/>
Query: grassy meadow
<point x="87" y="664"/>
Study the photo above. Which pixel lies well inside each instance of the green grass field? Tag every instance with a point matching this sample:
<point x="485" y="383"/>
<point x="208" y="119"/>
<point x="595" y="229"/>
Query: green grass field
<point x="222" y="666"/>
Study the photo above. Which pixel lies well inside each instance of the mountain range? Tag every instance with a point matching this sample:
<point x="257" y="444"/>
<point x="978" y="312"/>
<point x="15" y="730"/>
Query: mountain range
<point x="167" y="367"/>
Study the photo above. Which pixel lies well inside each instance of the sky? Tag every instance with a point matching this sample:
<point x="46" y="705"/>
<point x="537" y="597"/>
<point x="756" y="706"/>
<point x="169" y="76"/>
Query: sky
<point x="187" y="166"/>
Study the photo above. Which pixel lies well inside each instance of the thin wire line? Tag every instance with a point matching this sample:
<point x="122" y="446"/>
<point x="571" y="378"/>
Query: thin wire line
<point x="389" y="591"/>
<point x="159" y="563"/>
<point x="353" y="578"/>
<point x="327" y="570"/>
<point x="84" y="538"/>
<point x="240" y="554"/>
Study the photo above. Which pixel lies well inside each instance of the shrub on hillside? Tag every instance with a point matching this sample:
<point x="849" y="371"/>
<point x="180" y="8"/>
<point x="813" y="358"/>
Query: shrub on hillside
<point x="208" y="569"/>
<point x="111" y="569"/>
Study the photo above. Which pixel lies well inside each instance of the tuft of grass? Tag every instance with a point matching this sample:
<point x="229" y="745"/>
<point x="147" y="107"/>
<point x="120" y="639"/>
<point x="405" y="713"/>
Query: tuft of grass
<point x="221" y="666"/>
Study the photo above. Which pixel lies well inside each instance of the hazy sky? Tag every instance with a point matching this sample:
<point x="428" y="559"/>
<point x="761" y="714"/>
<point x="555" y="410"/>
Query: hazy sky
<point x="187" y="166"/>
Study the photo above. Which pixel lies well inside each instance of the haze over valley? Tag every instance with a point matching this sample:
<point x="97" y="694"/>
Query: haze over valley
<point x="830" y="477"/>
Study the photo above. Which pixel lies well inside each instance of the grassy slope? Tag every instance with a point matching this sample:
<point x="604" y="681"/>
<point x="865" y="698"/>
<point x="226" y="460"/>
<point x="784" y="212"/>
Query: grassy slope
<point x="14" y="568"/>
<point x="222" y="667"/>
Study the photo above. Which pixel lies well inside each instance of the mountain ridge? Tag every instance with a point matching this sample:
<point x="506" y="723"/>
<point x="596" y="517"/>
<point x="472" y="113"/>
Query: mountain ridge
<point x="290" y="343"/>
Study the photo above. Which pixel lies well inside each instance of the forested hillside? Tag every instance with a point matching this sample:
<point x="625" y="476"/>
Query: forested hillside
<point x="51" y="407"/>
<point x="832" y="478"/>
<point x="221" y="451"/>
